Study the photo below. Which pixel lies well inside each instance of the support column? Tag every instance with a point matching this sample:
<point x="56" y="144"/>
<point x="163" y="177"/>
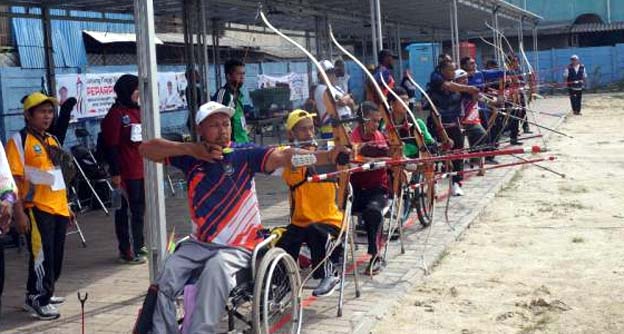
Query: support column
<point x="452" y="27"/>
<point x="156" y="227"/>
<point x="308" y="43"/>
<point x="456" y="25"/>
<point x="204" y="67"/>
<point x="536" y="53"/>
<point x="330" y="45"/>
<point x="379" y="23"/>
<point x="190" y="6"/>
<point x="374" y="49"/>
<point x="399" y="50"/>
<point x="49" y="52"/>
<point x="216" y="53"/>
<point x="317" y="38"/>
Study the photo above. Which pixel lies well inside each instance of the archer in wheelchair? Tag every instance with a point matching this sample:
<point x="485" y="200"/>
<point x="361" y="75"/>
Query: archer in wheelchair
<point x="226" y="224"/>
<point x="315" y="218"/>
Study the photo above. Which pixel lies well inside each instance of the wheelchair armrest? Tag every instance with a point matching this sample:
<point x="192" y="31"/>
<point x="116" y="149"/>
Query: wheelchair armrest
<point x="264" y="243"/>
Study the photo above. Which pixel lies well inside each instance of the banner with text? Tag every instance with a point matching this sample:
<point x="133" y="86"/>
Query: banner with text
<point x="95" y="94"/>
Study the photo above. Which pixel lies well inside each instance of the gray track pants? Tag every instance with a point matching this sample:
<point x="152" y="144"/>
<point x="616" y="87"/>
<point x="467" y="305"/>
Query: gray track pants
<point x="217" y="279"/>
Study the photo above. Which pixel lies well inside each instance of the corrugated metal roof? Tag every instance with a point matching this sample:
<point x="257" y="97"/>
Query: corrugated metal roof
<point x="597" y="27"/>
<point x="67" y="52"/>
<point x="349" y="17"/>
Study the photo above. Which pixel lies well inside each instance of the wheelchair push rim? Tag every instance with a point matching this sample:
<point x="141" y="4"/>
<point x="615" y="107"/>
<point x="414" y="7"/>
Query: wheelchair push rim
<point x="277" y="305"/>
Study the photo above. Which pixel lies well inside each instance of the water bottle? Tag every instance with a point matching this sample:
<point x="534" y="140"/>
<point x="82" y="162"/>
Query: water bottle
<point x="116" y="199"/>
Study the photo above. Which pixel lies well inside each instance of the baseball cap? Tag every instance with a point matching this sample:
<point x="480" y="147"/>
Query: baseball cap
<point x="384" y="53"/>
<point x="211" y="108"/>
<point x="36" y="99"/>
<point x="327" y="65"/>
<point x="574" y="57"/>
<point x="460" y="73"/>
<point x="295" y="116"/>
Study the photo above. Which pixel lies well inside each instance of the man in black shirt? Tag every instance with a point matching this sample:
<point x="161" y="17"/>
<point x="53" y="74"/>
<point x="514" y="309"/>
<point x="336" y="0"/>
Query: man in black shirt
<point x="447" y="96"/>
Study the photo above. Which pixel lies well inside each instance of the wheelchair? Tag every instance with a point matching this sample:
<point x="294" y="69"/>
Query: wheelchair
<point x="267" y="299"/>
<point x="419" y="195"/>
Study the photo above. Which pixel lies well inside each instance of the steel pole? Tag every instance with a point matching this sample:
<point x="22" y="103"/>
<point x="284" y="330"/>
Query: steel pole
<point x="374" y="49"/>
<point x="154" y="193"/>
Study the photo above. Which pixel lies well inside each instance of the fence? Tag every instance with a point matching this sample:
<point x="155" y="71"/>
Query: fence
<point x="604" y="65"/>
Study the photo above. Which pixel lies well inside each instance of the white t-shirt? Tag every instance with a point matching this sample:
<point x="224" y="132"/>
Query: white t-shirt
<point x="343" y="111"/>
<point x="343" y="82"/>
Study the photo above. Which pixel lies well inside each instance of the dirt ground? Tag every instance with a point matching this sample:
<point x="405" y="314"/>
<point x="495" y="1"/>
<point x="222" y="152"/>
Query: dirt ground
<point x="548" y="254"/>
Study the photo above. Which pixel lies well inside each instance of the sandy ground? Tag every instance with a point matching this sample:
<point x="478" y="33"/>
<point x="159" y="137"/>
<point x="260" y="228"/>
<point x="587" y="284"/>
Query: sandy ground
<point x="548" y="254"/>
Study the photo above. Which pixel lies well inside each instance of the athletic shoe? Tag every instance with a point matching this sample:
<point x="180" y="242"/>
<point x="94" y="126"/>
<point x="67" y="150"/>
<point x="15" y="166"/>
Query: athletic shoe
<point x="515" y="142"/>
<point x="456" y="190"/>
<point x="57" y="300"/>
<point x="45" y="312"/>
<point x="131" y="260"/>
<point x="326" y="287"/>
<point x="142" y="251"/>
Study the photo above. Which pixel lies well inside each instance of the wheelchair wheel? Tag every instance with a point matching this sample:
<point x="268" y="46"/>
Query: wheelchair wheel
<point x="276" y="304"/>
<point x="423" y="199"/>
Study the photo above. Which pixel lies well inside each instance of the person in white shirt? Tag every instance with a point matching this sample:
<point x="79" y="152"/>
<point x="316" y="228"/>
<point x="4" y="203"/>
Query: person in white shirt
<point x="575" y="77"/>
<point x="344" y="104"/>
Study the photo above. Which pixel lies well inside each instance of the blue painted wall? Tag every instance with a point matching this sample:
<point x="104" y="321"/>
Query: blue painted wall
<point x="604" y="65"/>
<point x="569" y="10"/>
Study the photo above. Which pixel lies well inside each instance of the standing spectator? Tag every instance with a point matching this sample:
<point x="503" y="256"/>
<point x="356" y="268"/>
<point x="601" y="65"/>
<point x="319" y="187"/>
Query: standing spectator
<point x="121" y="131"/>
<point x="42" y="212"/>
<point x="342" y="77"/>
<point x="230" y="95"/>
<point x="384" y="71"/>
<point x="344" y="104"/>
<point x="575" y="77"/>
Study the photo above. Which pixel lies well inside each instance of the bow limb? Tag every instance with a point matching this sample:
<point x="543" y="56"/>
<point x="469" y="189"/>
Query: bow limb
<point x="437" y="118"/>
<point x="418" y="135"/>
<point x="396" y="147"/>
<point x="532" y="77"/>
<point x="393" y="136"/>
<point x="339" y="132"/>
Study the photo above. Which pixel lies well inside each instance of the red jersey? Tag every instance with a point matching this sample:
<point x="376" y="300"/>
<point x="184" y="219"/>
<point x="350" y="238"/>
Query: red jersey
<point x="117" y="132"/>
<point x="470" y="110"/>
<point x="375" y="178"/>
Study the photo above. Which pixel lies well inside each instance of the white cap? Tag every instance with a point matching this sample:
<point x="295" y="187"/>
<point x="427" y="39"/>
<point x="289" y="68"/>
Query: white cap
<point x="460" y="73"/>
<point x="574" y="57"/>
<point x="211" y="108"/>
<point x="327" y="65"/>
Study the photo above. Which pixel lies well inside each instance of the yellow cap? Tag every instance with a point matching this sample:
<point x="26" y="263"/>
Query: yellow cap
<point x="295" y="116"/>
<point x="36" y="99"/>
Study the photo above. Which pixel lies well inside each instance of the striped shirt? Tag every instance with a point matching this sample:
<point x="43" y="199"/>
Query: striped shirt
<point x="222" y="199"/>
